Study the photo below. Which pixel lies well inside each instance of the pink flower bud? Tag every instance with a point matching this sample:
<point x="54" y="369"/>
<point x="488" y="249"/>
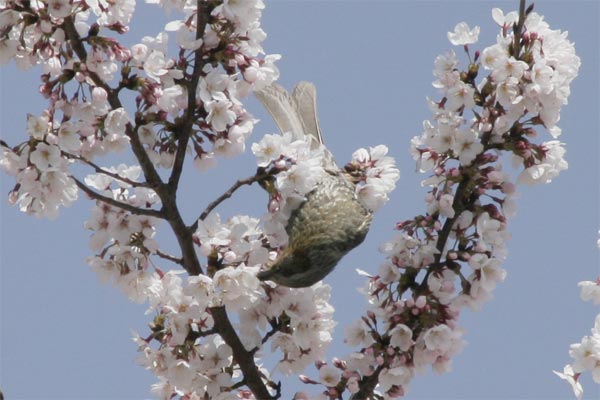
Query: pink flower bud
<point x="395" y="391"/>
<point x="341" y="364"/>
<point x="306" y="379"/>
<point x="46" y="90"/>
<point x="13" y="196"/>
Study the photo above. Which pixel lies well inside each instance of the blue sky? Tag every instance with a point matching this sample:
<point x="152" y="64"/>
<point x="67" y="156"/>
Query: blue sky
<point x="63" y="335"/>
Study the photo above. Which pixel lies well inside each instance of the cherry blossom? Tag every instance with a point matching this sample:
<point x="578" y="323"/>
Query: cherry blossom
<point x="104" y="97"/>
<point x="463" y="35"/>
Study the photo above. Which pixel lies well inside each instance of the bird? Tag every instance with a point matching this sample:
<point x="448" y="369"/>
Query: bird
<point x="331" y="220"/>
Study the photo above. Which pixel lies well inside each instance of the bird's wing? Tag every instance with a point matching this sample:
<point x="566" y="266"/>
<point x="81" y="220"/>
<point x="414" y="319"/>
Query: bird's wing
<point x="280" y="105"/>
<point x="304" y="99"/>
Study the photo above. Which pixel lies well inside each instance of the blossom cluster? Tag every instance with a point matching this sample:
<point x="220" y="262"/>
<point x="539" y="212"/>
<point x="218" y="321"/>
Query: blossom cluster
<point x="300" y="320"/>
<point x="231" y="67"/>
<point x="451" y="257"/>
<point x="191" y="360"/>
<point x="375" y="174"/>
<point x="439" y="262"/>
<point x="43" y="183"/>
<point x="189" y="104"/>
<point x="85" y="118"/>
<point x="123" y="241"/>
<point x="586" y="353"/>
<point x="298" y="323"/>
<point x="183" y="349"/>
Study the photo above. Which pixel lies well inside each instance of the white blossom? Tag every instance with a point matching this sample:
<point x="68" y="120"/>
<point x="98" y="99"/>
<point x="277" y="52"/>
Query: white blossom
<point x="329" y="375"/>
<point x="463" y="35"/>
<point x="590" y="291"/>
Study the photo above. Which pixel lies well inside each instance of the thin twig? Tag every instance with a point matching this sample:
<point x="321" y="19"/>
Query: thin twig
<point x="518" y="29"/>
<point x="274" y="329"/>
<point x="176" y="260"/>
<point x="115" y="203"/>
<point x="238" y="184"/>
<point x="103" y="171"/>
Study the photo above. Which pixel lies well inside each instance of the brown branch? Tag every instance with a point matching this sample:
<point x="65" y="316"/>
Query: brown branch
<point x="243" y="357"/>
<point x="367" y="385"/>
<point x="166" y="193"/>
<point x="176" y="260"/>
<point x="458" y="205"/>
<point x="115" y="203"/>
<point x="238" y="184"/>
<point x="103" y="171"/>
<point x="152" y="176"/>
<point x="182" y="233"/>
<point x="275" y="327"/>
<point x="190" y="116"/>
<point x="518" y="28"/>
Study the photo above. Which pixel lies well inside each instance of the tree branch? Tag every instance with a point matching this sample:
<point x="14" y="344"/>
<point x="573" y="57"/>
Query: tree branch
<point x="190" y="116"/>
<point x="243" y="357"/>
<point x="103" y="171"/>
<point x="238" y="184"/>
<point x="367" y="385"/>
<point x="176" y="260"/>
<point x="150" y="173"/>
<point x="518" y="28"/>
<point x="115" y="203"/>
<point x="166" y="193"/>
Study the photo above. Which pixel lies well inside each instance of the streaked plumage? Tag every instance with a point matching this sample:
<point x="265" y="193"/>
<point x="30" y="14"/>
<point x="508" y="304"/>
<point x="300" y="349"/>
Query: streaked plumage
<point x="331" y="221"/>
